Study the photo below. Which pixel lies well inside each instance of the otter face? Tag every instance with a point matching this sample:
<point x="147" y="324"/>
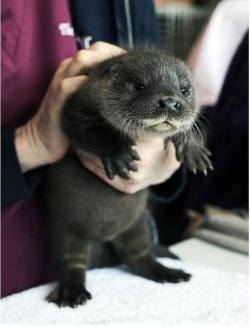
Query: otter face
<point x="149" y="93"/>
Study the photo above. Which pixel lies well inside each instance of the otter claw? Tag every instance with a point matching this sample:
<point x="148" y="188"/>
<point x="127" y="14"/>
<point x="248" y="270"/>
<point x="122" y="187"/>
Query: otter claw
<point x="108" y="168"/>
<point x="135" y="155"/>
<point x="68" y="297"/>
<point x="123" y="173"/>
<point x="132" y="166"/>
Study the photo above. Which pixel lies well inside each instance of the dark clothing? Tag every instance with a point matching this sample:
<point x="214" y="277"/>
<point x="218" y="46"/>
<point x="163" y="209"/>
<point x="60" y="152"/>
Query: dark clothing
<point x="113" y="23"/>
<point x="227" y="185"/>
<point x="14" y="185"/>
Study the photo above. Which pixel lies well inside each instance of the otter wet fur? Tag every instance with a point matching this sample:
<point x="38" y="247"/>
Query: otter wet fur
<point x="142" y="93"/>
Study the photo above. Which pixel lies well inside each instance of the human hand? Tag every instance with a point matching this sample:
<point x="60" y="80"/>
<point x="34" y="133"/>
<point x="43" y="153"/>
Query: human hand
<point x="41" y="141"/>
<point x="156" y="166"/>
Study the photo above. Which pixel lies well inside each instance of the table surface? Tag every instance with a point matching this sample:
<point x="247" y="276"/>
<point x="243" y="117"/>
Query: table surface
<point x="198" y="251"/>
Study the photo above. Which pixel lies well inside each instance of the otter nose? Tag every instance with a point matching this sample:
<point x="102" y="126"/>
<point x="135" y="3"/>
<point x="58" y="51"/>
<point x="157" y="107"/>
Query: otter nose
<point x="169" y="103"/>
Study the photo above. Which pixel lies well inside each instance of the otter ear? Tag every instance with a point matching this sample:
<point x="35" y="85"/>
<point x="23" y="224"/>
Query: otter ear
<point x="108" y="68"/>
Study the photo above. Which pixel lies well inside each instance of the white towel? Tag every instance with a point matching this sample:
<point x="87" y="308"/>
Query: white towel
<point x="211" y="296"/>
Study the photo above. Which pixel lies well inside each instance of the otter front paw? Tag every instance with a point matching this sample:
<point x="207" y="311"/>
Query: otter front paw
<point x="196" y="157"/>
<point x="121" y="163"/>
<point x="69" y="296"/>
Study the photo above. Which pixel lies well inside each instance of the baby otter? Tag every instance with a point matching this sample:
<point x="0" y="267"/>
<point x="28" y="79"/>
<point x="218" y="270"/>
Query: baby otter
<point x="142" y="93"/>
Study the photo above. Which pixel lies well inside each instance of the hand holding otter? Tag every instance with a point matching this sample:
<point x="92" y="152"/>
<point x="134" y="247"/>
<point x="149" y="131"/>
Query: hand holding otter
<point x="156" y="166"/>
<point x="41" y="141"/>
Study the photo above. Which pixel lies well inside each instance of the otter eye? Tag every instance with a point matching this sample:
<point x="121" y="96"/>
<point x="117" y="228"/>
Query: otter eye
<point x="184" y="90"/>
<point x="139" y="86"/>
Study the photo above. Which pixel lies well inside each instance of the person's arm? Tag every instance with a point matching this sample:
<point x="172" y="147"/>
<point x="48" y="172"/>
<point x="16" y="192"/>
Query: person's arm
<point x="41" y="141"/>
<point x="25" y="148"/>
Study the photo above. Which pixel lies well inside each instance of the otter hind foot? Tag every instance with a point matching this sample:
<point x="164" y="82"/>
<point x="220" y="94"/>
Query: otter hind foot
<point x="64" y="295"/>
<point x="161" y="274"/>
<point x="151" y="269"/>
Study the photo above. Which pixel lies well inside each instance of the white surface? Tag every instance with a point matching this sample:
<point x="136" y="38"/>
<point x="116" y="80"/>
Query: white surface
<point x="211" y="297"/>
<point x="200" y="252"/>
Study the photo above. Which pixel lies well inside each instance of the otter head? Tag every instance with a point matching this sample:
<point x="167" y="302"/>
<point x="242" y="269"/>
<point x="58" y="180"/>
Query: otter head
<point x="148" y="93"/>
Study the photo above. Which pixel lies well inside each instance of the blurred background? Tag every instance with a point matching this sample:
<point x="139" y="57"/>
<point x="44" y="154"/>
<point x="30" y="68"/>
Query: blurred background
<point x="212" y="37"/>
<point x="180" y="22"/>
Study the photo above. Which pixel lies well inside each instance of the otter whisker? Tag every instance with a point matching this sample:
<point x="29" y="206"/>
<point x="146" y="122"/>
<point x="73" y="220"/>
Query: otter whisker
<point x="205" y="125"/>
<point x="123" y="124"/>
<point x="199" y="134"/>
<point x="124" y="127"/>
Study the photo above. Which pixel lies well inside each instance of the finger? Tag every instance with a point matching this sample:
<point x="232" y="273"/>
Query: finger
<point x="58" y="75"/>
<point x="92" y="165"/>
<point x="84" y="61"/>
<point x="110" y="50"/>
<point x="61" y="68"/>
<point x="115" y="181"/>
<point x="171" y="166"/>
<point x="171" y="155"/>
<point x="170" y="150"/>
<point x="94" y="169"/>
<point x="72" y="84"/>
<point x="91" y="159"/>
<point x="120" y="184"/>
